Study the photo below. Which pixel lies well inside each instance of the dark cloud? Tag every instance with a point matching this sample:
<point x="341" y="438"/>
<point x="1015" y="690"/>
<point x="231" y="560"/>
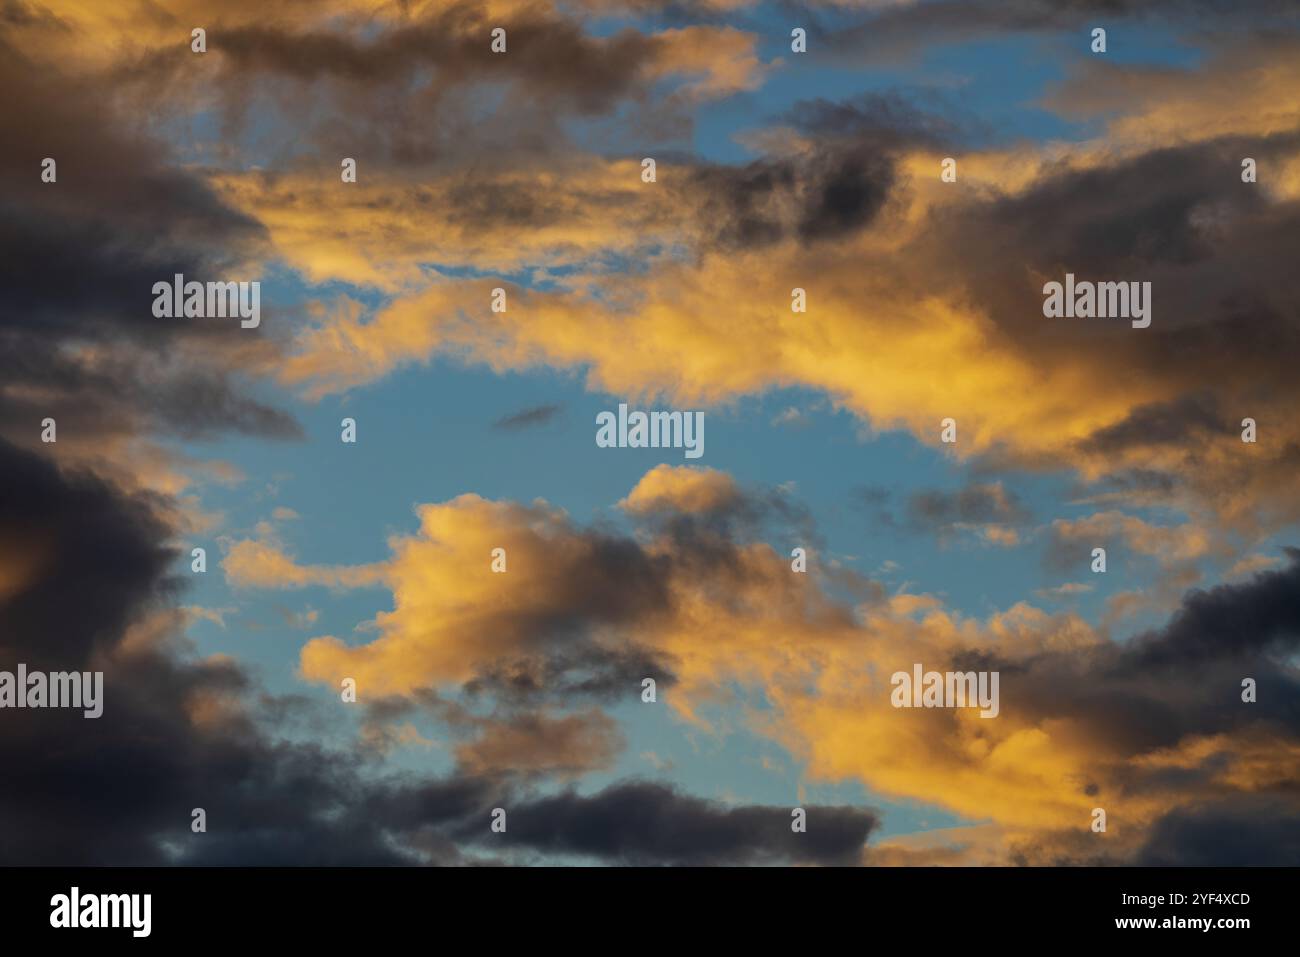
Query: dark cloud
<point x="1137" y="486"/>
<point x="737" y="514"/>
<point x="1217" y="253"/>
<point x="436" y="76"/>
<point x="78" y="260"/>
<point x="1177" y="217"/>
<point x="839" y="188"/>
<point x="947" y="512"/>
<point x="528" y="418"/>
<point x="578" y="671"/>
<point x="119" y="789"/>
<point x="1234" y="622"/>
<point x="1182" y="679"/>
<point x="550" y="58"/>
<point x="83" y="539"/>
<point x="935" y="509"/>
<point x="821" y="196"/>
<point x="1165" y="423"/>
<point x="80" y="256"/>
<point x="1249" y="831"/>
<point x="176" y="732"/>
<point x="902" y="30"/>
<point x="648" y="823"/>
<point x="892" y="119"/>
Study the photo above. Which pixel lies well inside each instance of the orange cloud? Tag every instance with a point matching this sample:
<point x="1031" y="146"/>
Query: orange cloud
<point x="733" y="616"/>
<point x="255" y="564"/>
<point x="681" y="488"/>
<point x="569" y="745"/>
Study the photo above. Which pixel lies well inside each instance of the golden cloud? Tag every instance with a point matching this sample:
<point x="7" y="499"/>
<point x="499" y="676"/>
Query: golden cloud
<point x="733" y="616"/>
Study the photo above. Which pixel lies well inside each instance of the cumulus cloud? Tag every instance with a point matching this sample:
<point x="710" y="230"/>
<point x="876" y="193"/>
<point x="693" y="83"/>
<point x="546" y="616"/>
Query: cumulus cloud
<point x="1086" y="721"/>
<point x="180" y="731"/>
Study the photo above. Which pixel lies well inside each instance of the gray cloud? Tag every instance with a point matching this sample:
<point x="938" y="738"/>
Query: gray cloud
<point x="528" y="418"/>
<point x="78" y="260"/>
<point x="974" y="504"/>
<point x="647" y="823"/>
<point x="1243" y="832"/>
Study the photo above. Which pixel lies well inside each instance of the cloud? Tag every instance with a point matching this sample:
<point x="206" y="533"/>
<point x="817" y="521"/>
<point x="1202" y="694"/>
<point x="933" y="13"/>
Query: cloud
<point x="1189" y="418"/>
<point x="1066" y="590"/>
<point x="569" y="745"/>
<point x="1251" y="564"/>
<point x="400" y="232"/>
<point x="1086" y="722"/>
<point x="527" y="418"/>
<point x="682" y="488"/>
<point x="561" y="595"/>
<point x="1232" y="620"/>
<point x="900" y="30"/>
<point x="176" y="731"/>
<point x="78" y="260"/>
<point x="436" y="66"/>
<point x="988" y="510"/>
<point x="256" y="564"/>
<point x="810" y="196"/>
<point x="1074" y="537"/>
<point x="1261" y="832"/>
<point x="179" y="732"/>
<point x="1247" y="88"/>
<point x="646" y="823"/>
<point x="974" y="346"/>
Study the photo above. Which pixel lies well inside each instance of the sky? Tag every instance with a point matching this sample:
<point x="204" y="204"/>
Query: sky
<point x="350" y="676"/>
